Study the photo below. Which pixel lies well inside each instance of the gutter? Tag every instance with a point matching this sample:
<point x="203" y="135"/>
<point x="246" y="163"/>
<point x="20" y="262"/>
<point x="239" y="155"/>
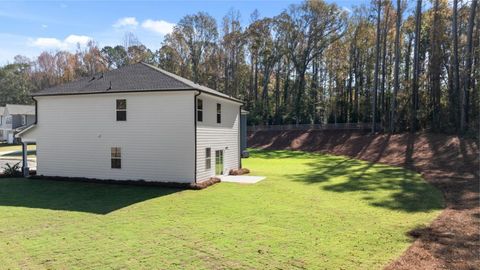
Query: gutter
<point x="195" y="132"/>
<point x="139" y="91"/>
<point x="240" y="136"/>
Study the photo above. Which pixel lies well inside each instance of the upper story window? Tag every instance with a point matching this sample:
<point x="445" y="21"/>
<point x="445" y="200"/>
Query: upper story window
<point x="116" y="157"/>
<point x="1" y="119"/>
<point x="8" y="120"/>
<point x="219" y="113"/>
<point x="199" y="110"/>
<point x="121" y="110"/>
<point x="24" y="120"/>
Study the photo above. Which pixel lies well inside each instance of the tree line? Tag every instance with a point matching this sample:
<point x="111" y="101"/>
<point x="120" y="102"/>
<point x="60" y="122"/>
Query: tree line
<point x="382" y="63"/>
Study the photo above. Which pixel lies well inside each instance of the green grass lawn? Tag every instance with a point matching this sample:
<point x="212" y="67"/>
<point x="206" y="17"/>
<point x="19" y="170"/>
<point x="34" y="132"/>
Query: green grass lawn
<point x="313" y="211"/>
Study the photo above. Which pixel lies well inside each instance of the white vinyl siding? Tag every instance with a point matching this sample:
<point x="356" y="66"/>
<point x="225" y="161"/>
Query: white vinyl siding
<point x="75" y="135"/>
<point x="218" y="136"/>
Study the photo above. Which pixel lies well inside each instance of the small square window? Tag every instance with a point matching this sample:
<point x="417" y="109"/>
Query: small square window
<point x="121" y="104"/>
<point x="116" y="157"/>
<point x="199" y="110"/>
<point x="219" y="113"/>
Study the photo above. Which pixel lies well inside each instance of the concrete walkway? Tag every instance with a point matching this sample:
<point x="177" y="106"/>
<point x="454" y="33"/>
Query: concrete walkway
<point x="242" y="179"/>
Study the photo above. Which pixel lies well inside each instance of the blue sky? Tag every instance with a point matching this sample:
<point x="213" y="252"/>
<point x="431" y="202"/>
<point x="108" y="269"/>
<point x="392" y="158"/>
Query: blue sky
<point x="29" y="27"/>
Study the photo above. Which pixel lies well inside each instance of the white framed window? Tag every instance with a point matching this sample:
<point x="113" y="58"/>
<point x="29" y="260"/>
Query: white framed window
<point x="219" y="113"/>
<point x="24" y="120"/>
<point x="121" y="110"/>
<point x="199" y="110"/>
<point x="116" y="157"/>
<point x="208" y="158"/>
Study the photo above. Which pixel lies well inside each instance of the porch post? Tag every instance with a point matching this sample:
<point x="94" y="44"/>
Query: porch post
<point x="25" y="168"/>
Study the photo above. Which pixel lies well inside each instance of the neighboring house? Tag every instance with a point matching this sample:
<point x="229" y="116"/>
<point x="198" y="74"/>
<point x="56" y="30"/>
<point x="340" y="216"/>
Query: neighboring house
<point x="138" y="122"/>
<point x="14" y="118"/>
<point x="2" y="110"/>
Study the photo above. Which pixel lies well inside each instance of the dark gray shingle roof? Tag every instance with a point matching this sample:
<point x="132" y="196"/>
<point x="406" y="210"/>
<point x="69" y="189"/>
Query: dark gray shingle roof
<point x="132" y="78"/>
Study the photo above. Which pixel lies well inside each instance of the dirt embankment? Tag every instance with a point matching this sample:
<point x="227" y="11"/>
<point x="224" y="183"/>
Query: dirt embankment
<point x="450" y="163"/>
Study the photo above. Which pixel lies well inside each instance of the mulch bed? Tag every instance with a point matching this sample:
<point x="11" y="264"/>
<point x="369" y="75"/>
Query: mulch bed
<point x="449" y="163"/>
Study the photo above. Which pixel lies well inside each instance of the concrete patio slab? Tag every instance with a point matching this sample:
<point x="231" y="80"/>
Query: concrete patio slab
<point x="242" y="179"/>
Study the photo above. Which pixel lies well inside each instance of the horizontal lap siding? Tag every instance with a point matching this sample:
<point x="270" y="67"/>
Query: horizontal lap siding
<point x="74" y="136"/>
<point x="217" y="136"/>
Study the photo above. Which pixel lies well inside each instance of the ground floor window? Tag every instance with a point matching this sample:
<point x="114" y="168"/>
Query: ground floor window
<point x="208" y="158"/>
<point x="116" y="157"/>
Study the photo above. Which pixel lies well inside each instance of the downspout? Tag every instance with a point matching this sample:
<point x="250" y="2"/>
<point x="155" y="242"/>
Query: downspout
<point x="195" y="132"/>
<point x="240" y="136"/>
<point x="36" y="110"/>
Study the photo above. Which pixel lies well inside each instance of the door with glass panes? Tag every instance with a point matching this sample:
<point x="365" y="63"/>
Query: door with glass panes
<point x="218" y="162"/>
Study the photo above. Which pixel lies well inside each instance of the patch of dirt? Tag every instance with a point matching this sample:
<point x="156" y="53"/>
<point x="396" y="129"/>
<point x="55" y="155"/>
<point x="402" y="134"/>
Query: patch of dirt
<point x="450" y="163"/>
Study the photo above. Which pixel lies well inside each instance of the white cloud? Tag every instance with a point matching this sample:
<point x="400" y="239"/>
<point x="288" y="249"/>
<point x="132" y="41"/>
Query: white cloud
<point x="126" y="22"/>
<point x="74" y="39"/>
<point x="47" y="43"/>
<point x="44" y="26"/>
<point x="54" y="43"/>
<point x="160" y="26"/>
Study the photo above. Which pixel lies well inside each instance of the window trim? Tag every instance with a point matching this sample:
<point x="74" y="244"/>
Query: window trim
<point x="199" y="110"/>
<point x="115" y="155"/>
<point x="117" y="110"/>
<point x="24" y="119"/>
<point x="208" y="158"/>
<point x="219" y="113"/>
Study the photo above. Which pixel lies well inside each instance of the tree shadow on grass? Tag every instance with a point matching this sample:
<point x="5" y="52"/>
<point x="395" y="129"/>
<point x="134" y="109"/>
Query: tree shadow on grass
<point x="278" y="154"/>
<point x="93" y="198"/>
<point x="380" y="185"/>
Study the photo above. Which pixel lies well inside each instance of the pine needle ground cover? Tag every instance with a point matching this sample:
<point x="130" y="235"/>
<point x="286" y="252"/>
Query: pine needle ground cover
<point x="313" y="211"/>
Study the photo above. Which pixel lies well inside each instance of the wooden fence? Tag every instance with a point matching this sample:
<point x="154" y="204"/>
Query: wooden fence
<point x="338" y="126"/>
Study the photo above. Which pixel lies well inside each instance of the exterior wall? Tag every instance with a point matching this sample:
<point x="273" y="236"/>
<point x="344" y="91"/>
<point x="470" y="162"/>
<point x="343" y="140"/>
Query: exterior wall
<point x="74" y="136"/>
<point x="224" y="136"/>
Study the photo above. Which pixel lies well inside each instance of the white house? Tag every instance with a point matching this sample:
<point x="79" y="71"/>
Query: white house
<point x="138" y="122"/>
<point x="14" y="118"/>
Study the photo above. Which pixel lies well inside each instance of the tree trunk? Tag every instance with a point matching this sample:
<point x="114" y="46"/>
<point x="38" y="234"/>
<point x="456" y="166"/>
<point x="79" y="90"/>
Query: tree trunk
<point x="377" y="63"/>
<point x="250" y="94"/>
<point x="255" y="82"/>
<point x="468" y="69"/>
<point x="416" y="67"/>
<point x="384" y="66"/>
<point x="456" y="68"/>
<point x="277" y="93"/>
<point x="396" y="86"/>
<point x="435" y="68"/>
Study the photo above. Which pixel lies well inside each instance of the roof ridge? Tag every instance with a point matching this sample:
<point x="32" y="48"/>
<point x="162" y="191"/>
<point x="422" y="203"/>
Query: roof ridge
<point x="173" y="76"/>
<point x="190" y="83"/>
